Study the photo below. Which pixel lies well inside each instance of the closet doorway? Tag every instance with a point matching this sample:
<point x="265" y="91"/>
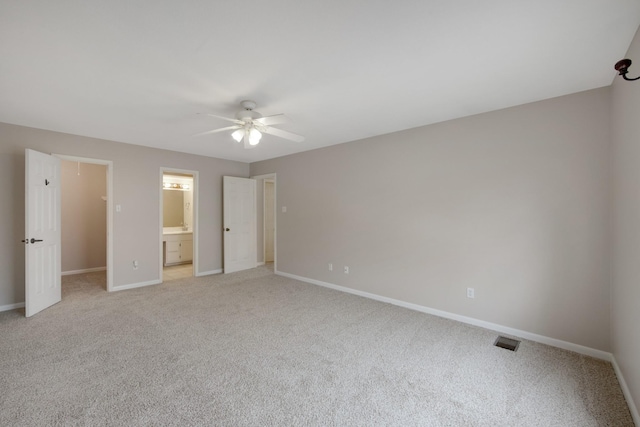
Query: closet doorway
<point x="86" y="224"/>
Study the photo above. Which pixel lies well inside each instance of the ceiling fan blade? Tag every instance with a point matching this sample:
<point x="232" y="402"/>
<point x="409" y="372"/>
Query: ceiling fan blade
<point x="223" y="118"/>
<point x="218" y="130"/>
<point x="284" y="134"/>
<point x="275" y="119"/>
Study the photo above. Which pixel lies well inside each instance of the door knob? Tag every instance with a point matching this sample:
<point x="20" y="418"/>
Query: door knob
<point x="35" y="240"/>
<point x="227" y="229"/>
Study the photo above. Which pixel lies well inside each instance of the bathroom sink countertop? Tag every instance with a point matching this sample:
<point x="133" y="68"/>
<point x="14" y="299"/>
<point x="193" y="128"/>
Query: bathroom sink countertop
<point x="179" y="231"/>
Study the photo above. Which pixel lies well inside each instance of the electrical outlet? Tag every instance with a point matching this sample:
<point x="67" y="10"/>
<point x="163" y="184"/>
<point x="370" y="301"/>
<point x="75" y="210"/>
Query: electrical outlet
<point x="135" y="264"/>
<point x="471" y="293"/>
<point x="346" y="270"/>
<point x="330" y="267"/>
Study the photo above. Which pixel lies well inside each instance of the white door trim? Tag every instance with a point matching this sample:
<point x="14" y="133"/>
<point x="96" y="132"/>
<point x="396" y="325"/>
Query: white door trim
<point x="109" y="165"/>
<point x="194" y="227"/>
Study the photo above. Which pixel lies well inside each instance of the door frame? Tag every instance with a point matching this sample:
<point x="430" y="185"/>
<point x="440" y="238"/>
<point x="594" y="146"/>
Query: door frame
<point x="271" y="177"/>
<point x="109" y="165"/>
<point x="194" y="207"/>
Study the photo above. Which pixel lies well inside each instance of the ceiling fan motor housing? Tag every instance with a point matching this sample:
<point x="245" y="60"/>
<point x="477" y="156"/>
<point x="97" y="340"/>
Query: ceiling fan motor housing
<point x="248" y="114"/>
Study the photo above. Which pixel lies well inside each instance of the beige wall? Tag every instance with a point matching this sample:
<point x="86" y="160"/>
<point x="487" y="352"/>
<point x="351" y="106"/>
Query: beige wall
<point x="514" y="203"/>
<point x="625" y="313"/>
<point x="84" y="216"/>
<point x="136" y="187"/>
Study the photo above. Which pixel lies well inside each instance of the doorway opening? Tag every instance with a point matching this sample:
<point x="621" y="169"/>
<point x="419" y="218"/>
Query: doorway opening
<point x="178" y="220"/>
<point x="86" y="224"/>
<point x="269" y="220"/>
<point x="267" y="223"/>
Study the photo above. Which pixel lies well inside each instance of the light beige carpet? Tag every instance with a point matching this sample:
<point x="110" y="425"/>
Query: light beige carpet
<point x="255" y="349"/>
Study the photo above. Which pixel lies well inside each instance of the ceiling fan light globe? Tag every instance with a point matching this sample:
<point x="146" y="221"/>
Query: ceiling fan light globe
<point x="238" y="135"/>
<point x="254" y="136"/>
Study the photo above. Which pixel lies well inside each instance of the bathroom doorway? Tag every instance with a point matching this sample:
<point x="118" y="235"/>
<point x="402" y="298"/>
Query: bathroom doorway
<point x="178" y="220"/>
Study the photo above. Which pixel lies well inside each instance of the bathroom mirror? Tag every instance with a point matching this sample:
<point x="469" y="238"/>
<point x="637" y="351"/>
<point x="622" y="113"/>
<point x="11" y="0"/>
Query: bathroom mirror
<point x="173" y="208"/>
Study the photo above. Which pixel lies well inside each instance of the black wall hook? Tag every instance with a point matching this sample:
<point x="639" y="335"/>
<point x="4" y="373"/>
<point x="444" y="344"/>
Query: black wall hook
<point x="622" y="67"/>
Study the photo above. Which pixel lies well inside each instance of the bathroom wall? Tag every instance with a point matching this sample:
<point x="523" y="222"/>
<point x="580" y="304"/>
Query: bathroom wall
<point x="188" y="207"/>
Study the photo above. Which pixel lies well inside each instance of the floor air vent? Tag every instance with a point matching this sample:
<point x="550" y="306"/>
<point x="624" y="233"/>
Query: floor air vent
<point x="508" y="343"/>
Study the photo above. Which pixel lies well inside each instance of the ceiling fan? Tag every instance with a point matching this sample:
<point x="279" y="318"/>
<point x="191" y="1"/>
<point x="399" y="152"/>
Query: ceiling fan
<point x="249" y="125"/>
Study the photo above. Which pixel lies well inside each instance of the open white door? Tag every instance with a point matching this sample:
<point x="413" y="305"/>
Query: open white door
<point x="239" y="200"/>
<point x="42" y="231"/>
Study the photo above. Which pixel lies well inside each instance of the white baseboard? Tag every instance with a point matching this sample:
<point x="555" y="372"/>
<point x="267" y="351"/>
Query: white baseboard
<point x="135" y="285"/>
<point x="11" y="306"/>
<point x="260" y="263"/>
<point x="627" y="394"/>
<point x="598" y="354"/>
<point x="85" y="270"/>
<point x="208" y="273"/>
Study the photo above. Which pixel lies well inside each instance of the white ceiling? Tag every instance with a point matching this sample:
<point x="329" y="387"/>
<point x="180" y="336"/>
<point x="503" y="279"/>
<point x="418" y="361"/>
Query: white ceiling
<point x="139" y="71"/>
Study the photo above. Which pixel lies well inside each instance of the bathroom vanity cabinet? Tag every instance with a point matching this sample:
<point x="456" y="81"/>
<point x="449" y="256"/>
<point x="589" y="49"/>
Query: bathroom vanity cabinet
<point x="178" y="248"/>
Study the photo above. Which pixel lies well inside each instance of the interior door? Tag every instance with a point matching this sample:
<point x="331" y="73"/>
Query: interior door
<point x="239" y="223"/>
<point x="42" y="231"/>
